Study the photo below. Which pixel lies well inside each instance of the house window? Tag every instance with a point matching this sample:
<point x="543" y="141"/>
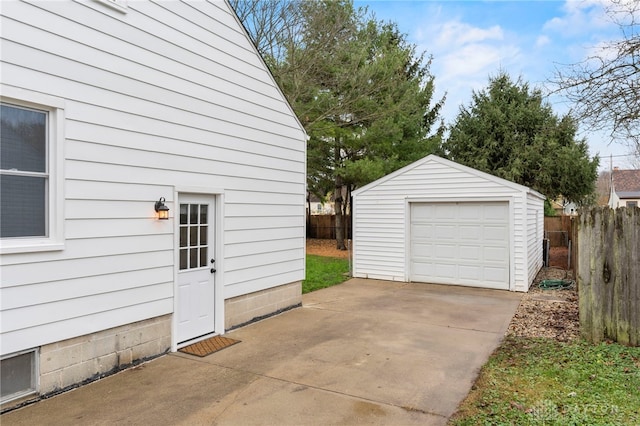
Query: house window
<point x="31" y="180"/>
<point x="25" y="172"/>
<point x="18" y="375"/>
<point x="632" y="204"/>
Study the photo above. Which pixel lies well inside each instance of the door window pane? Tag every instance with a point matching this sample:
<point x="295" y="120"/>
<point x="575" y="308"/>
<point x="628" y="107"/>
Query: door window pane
<point x="193" y="213"/>
<point x="183" y="236"/>
<point x="203" y="214"/>
<point x="193" y="258"/>
<point x="203" y="235"/>
<point x="183" y="213"/>
<point x="183" y="259"/>
<point x="193" y="236"/>
<point x="203" y="257"/>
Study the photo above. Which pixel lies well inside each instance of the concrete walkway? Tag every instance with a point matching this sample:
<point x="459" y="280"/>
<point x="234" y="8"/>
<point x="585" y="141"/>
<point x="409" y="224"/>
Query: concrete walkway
<point x="364" y="352"/>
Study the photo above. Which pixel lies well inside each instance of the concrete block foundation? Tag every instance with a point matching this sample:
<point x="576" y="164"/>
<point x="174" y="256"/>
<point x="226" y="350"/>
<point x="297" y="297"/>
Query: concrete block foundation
<point x="72" y="361"/>
<point x="249" y="307"/>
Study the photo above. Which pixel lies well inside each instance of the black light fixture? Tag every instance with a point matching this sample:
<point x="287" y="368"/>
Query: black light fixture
<point x="163" y="211"/>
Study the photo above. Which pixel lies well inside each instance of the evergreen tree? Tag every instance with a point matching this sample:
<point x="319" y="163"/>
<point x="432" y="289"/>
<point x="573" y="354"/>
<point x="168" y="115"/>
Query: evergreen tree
<point x="508" y="131"/>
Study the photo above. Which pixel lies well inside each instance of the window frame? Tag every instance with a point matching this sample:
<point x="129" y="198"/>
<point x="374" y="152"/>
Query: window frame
<point x="34" y="386"/>
<point x="631" y="204"/>
<point x="54" y="205"/>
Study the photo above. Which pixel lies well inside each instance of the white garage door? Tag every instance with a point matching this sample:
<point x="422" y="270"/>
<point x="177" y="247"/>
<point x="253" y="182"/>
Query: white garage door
<point x="465" y="243"/>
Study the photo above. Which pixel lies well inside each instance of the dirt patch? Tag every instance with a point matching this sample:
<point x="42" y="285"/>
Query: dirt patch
<point x="327" y="248"/>
<point x="559" y="257"/>
<point x="548" y="313"/>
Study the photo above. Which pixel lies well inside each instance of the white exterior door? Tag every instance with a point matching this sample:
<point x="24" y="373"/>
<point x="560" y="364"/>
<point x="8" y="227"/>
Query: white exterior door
<point x="464" y="243"/>
<point x="196" y="275"/>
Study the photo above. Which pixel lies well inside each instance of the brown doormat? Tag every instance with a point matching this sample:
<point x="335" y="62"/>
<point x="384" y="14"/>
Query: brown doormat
<point x="209" y="346"/>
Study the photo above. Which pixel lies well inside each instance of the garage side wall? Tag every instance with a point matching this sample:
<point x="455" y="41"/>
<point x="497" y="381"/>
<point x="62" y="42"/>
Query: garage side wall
<point x="380" y="216"/>
<point x="535" y="233"/>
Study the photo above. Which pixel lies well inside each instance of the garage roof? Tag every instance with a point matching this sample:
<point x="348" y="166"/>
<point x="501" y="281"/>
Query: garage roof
<point x="452" y="164"/>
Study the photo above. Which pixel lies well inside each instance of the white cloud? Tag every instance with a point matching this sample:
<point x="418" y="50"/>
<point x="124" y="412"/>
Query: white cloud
<point x="455" y="33"/>
<point x="461" y="49"/>
<point x="581" y="18"/>
<point x="465" y="56"/>
<point x="542" y="41"/>
<point x="477" y="58"/>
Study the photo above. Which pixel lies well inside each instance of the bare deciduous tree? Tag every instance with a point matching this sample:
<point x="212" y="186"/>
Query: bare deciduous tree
<point x="272" y="24"/>
<point x="605" y="87"/>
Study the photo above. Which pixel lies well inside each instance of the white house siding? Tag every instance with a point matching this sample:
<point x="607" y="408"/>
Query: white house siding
<point x="380" y="211"/>
<point x="166" y="95"/>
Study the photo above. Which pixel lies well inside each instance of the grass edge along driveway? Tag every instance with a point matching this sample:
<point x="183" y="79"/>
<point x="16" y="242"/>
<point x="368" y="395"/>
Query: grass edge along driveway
<point x="541" y="381"/>
<point x="324" y="272"/>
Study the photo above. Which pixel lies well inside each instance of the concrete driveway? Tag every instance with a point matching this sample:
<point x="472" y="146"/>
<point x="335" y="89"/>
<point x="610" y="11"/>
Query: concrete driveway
<point x="364" y="352"/>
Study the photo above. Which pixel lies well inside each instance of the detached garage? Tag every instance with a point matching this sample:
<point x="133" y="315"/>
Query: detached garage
<point x="440" y="222"/>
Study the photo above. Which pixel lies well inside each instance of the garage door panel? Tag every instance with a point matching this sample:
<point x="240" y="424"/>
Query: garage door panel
<point x="445" y="270"/>
<point x="423" y="231"/>
<point x="424" y="214"/>
<point x="464" y="243"/>
<point x="443" y="211"/>
<point x="424" y="268"/>
<point x="424" y="251"/>
<point x="470" y="252"/>
<point x="495" y="233"/>
<point x="495" y="274"/>
<point x="470" y="232"/>
<point x="496" y="212"/>
<point x="469" y="272"/>
<point x="468" y="212"/>
<point x="495" y="254"/>
<point x="445" y="252"/>
<point x="445" y="232"/>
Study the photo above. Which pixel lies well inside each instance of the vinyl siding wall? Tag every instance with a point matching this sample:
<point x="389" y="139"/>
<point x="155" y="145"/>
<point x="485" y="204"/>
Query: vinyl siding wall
<point x="380" y="215"/>
<point x="535" y="232"/>
<point x="166" y="95"/>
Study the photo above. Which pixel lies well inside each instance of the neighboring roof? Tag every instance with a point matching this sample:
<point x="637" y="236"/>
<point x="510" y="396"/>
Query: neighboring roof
<point x="626" y="183"/>
<point x="452" y="164"/>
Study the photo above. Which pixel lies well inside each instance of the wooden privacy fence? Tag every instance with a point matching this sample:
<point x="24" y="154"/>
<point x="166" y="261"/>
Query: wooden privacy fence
<point x="609" y="274"/>
<point x="557" y="229"/>
<point x="561" y="232"/>
<point x="324" y="226"/>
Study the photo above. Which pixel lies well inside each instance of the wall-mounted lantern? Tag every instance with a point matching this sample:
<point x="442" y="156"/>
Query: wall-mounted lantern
<point x="163" y="211"/>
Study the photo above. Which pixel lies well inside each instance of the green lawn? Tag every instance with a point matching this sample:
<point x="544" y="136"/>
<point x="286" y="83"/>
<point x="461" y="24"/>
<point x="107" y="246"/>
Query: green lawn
<point x="544" y="382"/>
<point x="324" y="272"/>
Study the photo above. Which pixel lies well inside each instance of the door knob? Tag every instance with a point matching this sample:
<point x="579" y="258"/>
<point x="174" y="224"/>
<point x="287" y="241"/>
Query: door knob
<point x="213" y="270"/>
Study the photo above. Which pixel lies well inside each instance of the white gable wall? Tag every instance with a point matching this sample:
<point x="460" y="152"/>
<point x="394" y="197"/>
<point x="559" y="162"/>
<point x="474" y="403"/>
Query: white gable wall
<point x="381" y="215"/>
<point x="167" y="95"/>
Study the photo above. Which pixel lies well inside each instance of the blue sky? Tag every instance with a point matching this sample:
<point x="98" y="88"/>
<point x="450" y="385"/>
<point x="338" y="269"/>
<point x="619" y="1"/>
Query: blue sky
<point x="472" y="40"/>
